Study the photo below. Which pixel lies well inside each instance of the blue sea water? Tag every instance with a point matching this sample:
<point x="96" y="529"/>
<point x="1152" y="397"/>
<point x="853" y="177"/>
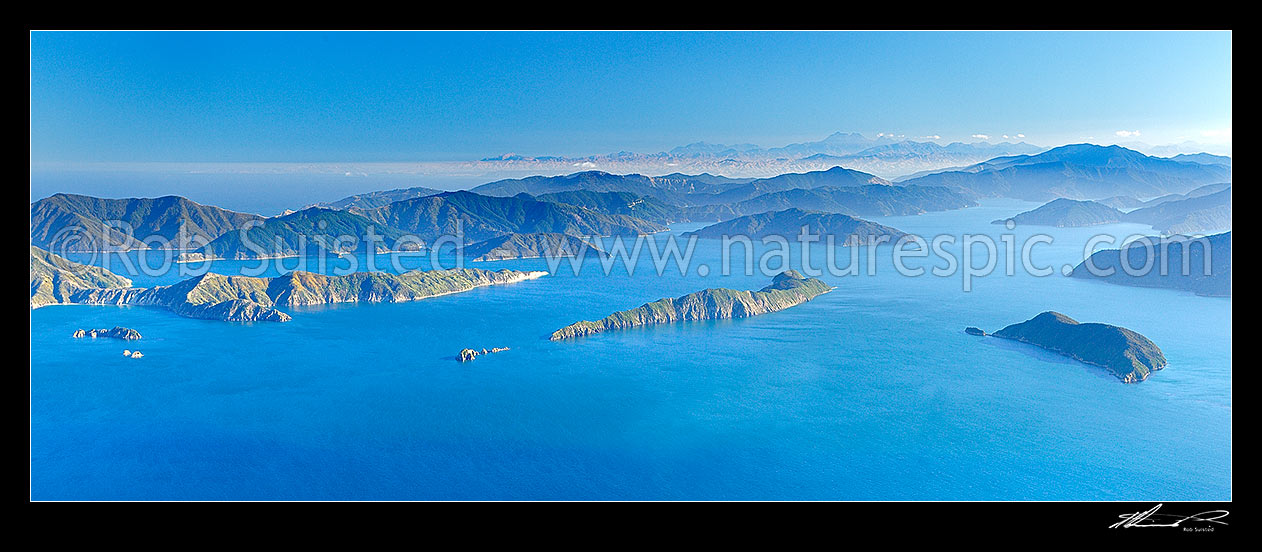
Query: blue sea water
<point x="871" y="391"/>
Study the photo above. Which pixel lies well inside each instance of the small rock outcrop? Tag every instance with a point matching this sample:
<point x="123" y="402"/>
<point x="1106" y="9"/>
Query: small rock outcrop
<point x="117" y="332"/>
<point x="469" y="354"/>
<point x="974" y="331"/>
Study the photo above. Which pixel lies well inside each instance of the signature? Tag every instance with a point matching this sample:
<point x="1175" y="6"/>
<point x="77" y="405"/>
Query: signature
<point x="1150" y="518"/>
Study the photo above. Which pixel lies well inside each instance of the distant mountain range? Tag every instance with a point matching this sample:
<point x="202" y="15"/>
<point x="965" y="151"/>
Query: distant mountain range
<point x="868" y="200"/>
<point x="1186" y="147"/>
<point x="853" y="146"/>
<point x="884" y="155"/>
<point x="1078" y="171"/>
<point x="679" y="189"/>
<point x="901" y="158"/>
<point x="671" y="188"/>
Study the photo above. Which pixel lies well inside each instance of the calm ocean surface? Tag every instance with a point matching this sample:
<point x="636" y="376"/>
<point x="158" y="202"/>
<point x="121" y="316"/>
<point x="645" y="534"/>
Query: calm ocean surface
<point x="872" y="391"/>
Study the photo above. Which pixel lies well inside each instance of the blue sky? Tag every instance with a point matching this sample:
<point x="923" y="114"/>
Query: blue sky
<point x="332" y="97"/>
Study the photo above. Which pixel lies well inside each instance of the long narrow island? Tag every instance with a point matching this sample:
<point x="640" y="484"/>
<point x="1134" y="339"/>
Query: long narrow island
<point x="250" y="299"/>
<point x="788" y="289"/>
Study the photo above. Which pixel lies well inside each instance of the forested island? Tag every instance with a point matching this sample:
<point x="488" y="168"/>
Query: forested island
<point x="1126" y="354"/>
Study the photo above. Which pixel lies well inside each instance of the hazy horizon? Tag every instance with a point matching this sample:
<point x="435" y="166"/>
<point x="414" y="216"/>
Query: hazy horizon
<point x="236" y="185"/>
